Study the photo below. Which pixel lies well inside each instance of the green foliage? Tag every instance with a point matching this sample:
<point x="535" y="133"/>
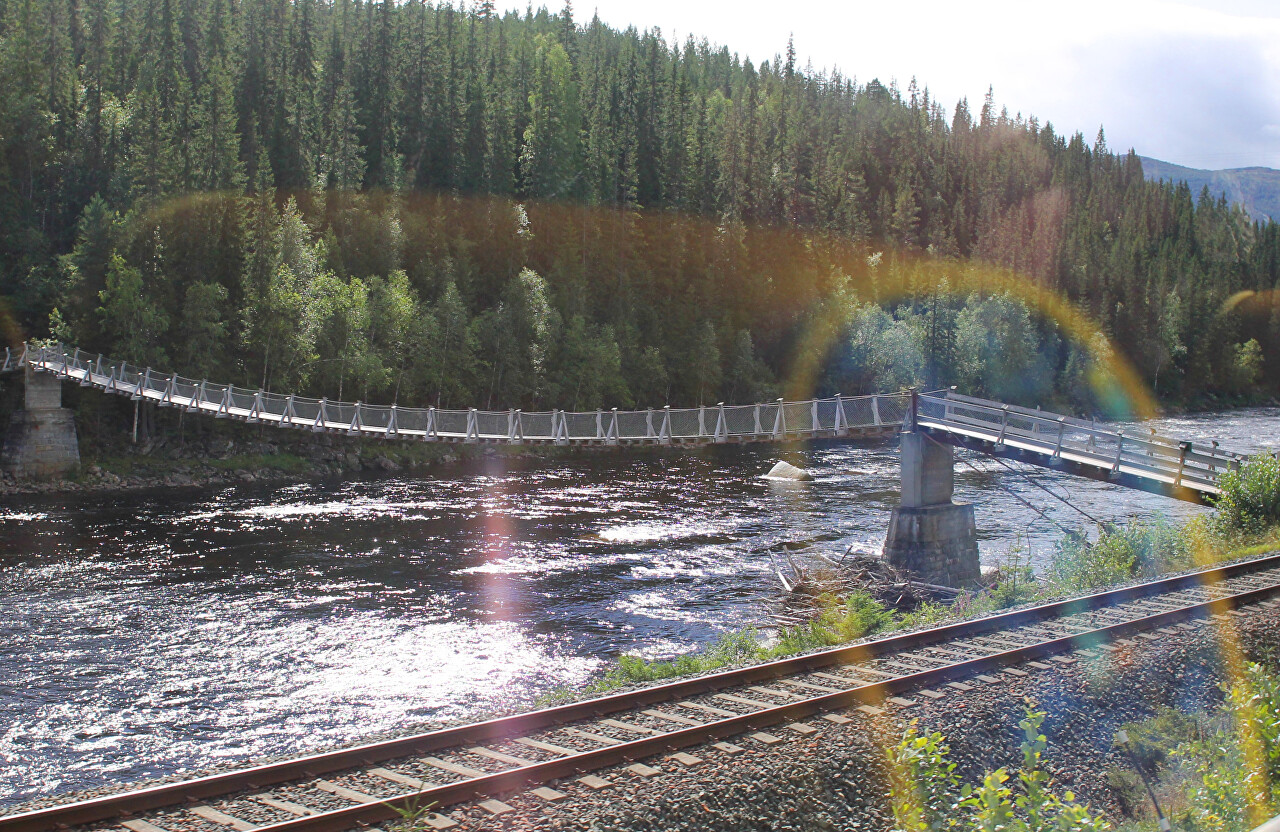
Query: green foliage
<point x="1237" y="785"/>
<point x="926" y="794"/>
<point x="699" y="225"/>
<point x="838" y="621"/>
<point x="1250" y="498"/>
<point x="1121" y="553"/>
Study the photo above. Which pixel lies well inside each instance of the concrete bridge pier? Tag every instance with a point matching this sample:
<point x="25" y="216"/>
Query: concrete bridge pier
<point x="41" y="440"/>
<point x="929" y="535"/>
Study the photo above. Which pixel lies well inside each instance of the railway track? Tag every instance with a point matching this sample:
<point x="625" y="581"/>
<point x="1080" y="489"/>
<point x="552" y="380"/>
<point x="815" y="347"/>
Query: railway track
<point x="362" y="786"/>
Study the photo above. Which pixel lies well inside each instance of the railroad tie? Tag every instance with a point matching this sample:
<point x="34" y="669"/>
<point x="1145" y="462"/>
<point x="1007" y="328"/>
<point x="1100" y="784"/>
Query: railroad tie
<point x="283" y="805"/>
<point x="518" y="762"/>
<point x="671" y="717"/>
<point x="345" y="793"/>
<point x="212" y="814"/>
<point x="558" y="750"/>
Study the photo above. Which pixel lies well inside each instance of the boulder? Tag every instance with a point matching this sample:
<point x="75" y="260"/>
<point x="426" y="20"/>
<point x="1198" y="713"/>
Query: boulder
<point x="786" y="471"/>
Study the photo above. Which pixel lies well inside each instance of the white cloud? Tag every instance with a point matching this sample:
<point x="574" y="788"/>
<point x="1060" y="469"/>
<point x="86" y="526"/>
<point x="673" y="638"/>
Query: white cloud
<point x="1196" y="83"/>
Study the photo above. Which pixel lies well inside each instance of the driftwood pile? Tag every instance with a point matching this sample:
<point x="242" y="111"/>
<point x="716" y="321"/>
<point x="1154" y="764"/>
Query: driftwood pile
<point x="838" y="577"/>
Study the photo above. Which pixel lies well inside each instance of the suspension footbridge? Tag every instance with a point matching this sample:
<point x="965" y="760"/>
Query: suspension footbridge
<point x="1134" y="457"/>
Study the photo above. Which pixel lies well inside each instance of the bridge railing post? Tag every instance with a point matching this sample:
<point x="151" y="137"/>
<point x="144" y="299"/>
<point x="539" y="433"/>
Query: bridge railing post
<point x="1004" y="424"/>
<point x="286" y="418"/>
<point x="665" y="435"/>
<point x="473" y="426"/>
<point x="780" y="421"/>
<point x="875" y="411"/>
<point x="613" y="427"/>
<point x="432" y="432"/>
<point x="648" y="423"/>
<point x="1115" y="466"/>
<point x="758" y="429"/>
<point x="392" y="428"/>
<point x="599" y="423"/>
<point x="702" y="420"/>
<point x="841" y="427"/>
<point x="722" y="426"/>
<point x="813" y="416"/>
<point x="1062" y="428"/>
<point x="322" y="417"/>
<point x="1183" y="448"/>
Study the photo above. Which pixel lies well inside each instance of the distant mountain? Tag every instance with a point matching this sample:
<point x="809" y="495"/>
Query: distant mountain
<point x="1257" y="189"/>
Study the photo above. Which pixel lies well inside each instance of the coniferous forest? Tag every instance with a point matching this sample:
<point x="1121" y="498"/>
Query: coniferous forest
<point x="389" y="200"/>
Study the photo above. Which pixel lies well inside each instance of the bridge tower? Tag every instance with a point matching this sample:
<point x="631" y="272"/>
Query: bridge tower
<point x="929" y="535"/>
<point x="41" y="440"/>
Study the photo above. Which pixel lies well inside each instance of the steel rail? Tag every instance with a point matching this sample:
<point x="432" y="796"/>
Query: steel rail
<point x="340" y="820"/>
<point x="309" y="767"/>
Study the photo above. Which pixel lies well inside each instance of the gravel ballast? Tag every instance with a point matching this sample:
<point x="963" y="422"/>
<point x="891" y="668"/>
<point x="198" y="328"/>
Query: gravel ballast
<point x="834" y="779"/>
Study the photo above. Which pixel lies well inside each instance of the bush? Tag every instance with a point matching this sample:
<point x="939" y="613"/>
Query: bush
<point x="1138" y="549"/>
<point x="925" y="797"/>
<point x="1250" y="498"/>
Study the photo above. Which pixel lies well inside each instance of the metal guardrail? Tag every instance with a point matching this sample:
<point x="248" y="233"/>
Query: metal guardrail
<point x="1144" y="454"/>
<point x="772" y="422"/>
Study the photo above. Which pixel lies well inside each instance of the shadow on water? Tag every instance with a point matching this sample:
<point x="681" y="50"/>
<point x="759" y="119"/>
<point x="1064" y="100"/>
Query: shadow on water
<point x="171" y="631"/>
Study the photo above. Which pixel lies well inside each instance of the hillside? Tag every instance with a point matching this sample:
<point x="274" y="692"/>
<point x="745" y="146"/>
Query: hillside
<point x="1257" y="189"/>
<point x="401" y="201"/>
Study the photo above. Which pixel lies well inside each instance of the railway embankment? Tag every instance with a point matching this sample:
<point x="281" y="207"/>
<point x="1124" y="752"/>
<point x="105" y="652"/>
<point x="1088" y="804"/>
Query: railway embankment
<point x="835" y="778"/>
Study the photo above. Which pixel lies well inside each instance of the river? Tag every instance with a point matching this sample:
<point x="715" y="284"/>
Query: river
<point x="167" y="632"/>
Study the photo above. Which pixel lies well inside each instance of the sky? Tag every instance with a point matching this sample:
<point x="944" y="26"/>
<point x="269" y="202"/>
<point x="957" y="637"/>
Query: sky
<point x="1194" y="83"/>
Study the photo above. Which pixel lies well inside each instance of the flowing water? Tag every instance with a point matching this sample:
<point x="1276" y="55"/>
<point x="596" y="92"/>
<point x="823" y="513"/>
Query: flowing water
<point x="146" y="635"/>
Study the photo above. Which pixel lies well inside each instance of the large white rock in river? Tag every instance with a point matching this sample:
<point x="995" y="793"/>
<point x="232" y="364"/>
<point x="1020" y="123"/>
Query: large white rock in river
<point x="786" y="471"/>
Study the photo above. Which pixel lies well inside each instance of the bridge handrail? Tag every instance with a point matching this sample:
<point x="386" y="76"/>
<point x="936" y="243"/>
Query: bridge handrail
<point x="1054" y="434"/>
<point x="719" y="423"/>
<point x="1091" y="425"/>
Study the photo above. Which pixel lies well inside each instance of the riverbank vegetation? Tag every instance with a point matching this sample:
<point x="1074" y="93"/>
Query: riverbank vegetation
<point x="409" y="202"/>
<point x="1214" y="770"/>
<point x="1140" y="550"/>
<point x="926" y="793"/>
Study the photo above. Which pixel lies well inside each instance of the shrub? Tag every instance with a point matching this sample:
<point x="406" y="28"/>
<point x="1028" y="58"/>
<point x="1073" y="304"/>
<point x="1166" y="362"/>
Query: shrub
<point x="1237" y="786"/>
<point x="924" y="794"/>
<point x="1250" y="498"/>
<point x="1140" y="548"/>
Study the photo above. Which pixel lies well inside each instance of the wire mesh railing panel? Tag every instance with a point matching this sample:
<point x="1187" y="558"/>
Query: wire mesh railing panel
<point x="581" y="425"/>
<point x="798" y="416"/>
<point x="274" y="404"/>
<point x="185" y="390"/>
<point x="241" y="399"/>
<point x="338" y="414"/>
<point x="857" y="412"/>
<point x="740" y="420"/>
<point x="684" y="424"/>
<point x="893" y="409"/>
<point x="634" y="425"/>
<point x="490" y="423"/>
<point x="537" y="425"/>
<point x="375" y="417"/>
<point x="411" y="419"/>
<point x="305" y="411"/>
<point x="451" y="422"/>
<point x="826" y="414"/>
<point x="769" y="417"/>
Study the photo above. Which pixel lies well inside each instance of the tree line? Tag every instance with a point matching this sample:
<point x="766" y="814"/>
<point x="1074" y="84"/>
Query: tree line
<point x="430" y="204"/>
